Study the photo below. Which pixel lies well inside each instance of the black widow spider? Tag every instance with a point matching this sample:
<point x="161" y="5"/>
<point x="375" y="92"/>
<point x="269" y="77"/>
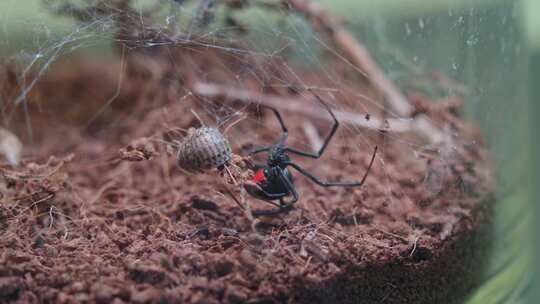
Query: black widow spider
<point x="275" y="182"/>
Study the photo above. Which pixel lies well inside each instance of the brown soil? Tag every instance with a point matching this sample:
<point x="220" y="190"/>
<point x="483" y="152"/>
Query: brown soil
<point x="82" y="222"/>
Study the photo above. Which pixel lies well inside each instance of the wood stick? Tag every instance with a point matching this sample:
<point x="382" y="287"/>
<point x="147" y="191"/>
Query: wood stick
<point x="313" y="136"/>
<point x="359" y="55"/>
<point x="212" y="90"/>
<point x="355" y="51"/>
<point x="420" y="124"/>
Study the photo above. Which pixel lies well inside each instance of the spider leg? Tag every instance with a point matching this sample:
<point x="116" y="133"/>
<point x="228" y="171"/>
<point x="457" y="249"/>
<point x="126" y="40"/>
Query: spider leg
<point x="270" y="196"/>
<point x="259" y="165"/>
<point x="278" y="116"/>
<point x="326" y="141"/>
<point x="272" y="203"/>
<point x="259" y="150"/>
<point x="284" y="206"/>
<point x="335" y="184"/>
<point x="291" y="189"/>
<point x="285" y="133"/>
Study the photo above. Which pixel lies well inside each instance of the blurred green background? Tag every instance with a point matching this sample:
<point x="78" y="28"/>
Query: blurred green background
<point x="487" y="45"/>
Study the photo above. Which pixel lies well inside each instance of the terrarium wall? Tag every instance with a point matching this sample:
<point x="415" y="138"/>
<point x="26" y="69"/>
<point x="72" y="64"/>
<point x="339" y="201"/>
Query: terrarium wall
<point x="481" y="45"/>
<point x="532" y="27"/>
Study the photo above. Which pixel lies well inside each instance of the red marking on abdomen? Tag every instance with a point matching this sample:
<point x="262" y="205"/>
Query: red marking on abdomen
<point x="259" y="177"/>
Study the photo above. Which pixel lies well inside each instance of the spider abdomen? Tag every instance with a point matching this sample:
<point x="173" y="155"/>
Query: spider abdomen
<point x="271" y="185"/>
<point x="202" y="149"/>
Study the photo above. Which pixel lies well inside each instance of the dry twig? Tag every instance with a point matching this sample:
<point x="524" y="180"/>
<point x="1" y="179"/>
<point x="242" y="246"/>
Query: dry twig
<point x="359" y="55"/>
<point x="355" y="51"/>
<point x="313" y="136"/>
<point x="211" y="90"/>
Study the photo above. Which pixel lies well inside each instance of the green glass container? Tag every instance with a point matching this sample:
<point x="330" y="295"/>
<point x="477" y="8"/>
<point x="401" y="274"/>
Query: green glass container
<point x="481" y="45"/>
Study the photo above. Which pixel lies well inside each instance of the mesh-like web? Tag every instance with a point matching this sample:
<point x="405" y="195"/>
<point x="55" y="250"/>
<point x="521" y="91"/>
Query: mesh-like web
<point x="212" y="61"/>
<point x="269" y="32"/>
<point x="244" y="53"/>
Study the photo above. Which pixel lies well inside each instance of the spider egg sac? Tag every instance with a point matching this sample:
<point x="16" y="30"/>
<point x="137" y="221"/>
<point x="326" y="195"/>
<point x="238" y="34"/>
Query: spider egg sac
<point x="202" y="149"/>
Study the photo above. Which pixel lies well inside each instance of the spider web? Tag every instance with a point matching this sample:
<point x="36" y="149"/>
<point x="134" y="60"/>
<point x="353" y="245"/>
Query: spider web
<point x="273" y="34"/>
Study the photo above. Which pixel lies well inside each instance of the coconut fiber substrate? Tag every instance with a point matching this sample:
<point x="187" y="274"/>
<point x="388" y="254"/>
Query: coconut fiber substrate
<point x="97" y="209"/>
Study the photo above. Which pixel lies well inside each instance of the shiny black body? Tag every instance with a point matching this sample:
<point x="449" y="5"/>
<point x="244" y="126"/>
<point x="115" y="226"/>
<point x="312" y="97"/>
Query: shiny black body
<point x="275" y="181"/>
<point x="273" y="188"/>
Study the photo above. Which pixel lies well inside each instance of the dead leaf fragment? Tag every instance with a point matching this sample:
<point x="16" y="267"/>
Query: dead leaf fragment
<point x="10" y="146"/>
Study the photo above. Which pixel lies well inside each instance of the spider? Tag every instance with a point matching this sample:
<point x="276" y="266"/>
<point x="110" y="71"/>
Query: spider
<point x="274" y="180"/>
